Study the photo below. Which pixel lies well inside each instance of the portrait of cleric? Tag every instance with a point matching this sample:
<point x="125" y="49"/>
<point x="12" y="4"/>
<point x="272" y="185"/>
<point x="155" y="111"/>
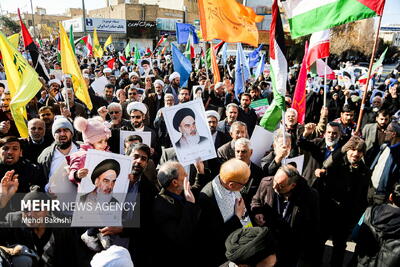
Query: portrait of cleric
<point x="184" y="121"/>
<point x="104" y="177"/>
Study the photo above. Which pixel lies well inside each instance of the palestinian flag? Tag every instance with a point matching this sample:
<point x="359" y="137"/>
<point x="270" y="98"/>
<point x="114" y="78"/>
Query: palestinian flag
<point x="86" y="41"/>
<point x="319" y="47"/>
<point x="29" y="45"/>
<point x="279" y="71"/>
<point x="363" y="79"/>
<point x="308" y="16"/>
<point x="121" y="58"/>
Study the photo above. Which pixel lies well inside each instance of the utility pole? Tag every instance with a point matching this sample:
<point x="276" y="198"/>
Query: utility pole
<point x="33" y="22"/>
<point x="84" y="17"/>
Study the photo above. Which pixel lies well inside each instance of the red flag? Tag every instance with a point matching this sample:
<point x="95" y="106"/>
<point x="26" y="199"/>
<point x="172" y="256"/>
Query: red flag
<point x="37" y="60"/>
<point x="299" y="99"/>
<point x="122" y="59"/>
<point x="110" y="63"/>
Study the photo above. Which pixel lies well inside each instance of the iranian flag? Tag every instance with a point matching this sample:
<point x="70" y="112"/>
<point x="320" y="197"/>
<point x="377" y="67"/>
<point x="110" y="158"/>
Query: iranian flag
<point x="87" y="42"/>
<point x="279" y="71"/>
<point x="363" y="79"/>
<point x="162" y="40"/>
<point x="189" y="50"/>
<point x="319" y="47"/>
<point x="308" y="16"/>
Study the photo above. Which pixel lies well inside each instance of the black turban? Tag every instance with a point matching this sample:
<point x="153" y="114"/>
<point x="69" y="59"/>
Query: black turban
<point x="105" y="165"/>
<point x="249" y="245"/>
<point x="180" y="115"/>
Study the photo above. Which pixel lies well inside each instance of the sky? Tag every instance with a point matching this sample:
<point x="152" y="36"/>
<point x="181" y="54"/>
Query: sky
<point x="390" y="15"/>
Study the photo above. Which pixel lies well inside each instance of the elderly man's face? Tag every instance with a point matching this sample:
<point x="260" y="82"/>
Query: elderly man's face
<point x="10" y="153"/>
<point x="332" y="135"/>
<point x="220" y="90"/>
<point x="188" y="126"/>
<point x="140" y="160"/>
<point x="36" y="130"/>
<point x="239" y="131"/>
<point x="231" y="114"/>
<point x="47" y="116"/>
<point x="377" y="102"/>
<point x="184" y="96"/>
<point x="159" y="88"/>
<point x="70" y="96"/>
<point x="137" y="118"/>
<point x="212" y="124"/>
<point x="281" y="183"/>
<point x="243" y="152"/>
<point x="106" y="181"/>
<point x="169" y="101"/>
<point x="290" y="119"/>
<point x="115" y="114"/>
<point x="354" y="156"/>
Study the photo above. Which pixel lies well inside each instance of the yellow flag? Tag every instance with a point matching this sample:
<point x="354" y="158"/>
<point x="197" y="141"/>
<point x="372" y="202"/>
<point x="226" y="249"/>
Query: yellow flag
<point x="236" y="24"/>
<point x="14" y="39"/>
<point x="70" y="66"/>
<point x="23" y="83"/>
<point x="108" y="42"/>
<point x="97" y="50"/>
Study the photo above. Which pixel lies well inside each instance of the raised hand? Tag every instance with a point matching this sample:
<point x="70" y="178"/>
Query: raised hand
<point x="187" y="192"/>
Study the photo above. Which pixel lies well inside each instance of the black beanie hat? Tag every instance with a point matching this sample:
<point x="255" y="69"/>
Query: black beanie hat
<point x="180" y="115"/>
<point x="105" y="165"/>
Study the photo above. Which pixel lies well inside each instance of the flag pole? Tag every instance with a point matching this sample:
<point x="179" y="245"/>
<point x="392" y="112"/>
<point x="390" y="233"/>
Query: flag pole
<point x="205" y="59"/>
<point x="326" y="63"/>
<point x="371" y="62"/>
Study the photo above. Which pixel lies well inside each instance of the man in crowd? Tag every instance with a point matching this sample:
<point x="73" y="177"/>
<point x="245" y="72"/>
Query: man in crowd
<point x="46" y="114"/>
<point x="232" y="112"/>
<point x="286" y="204"/>
<point x="184" y="95"/>
<point x="246" y="113"/>
<point x="54" y="157"/>
<point x="173" y="87"/>
<point x="212" y="120"/>
<point x="227" y="151"/>
<point x="346" y="122"/>
<point x="36" y="142"/>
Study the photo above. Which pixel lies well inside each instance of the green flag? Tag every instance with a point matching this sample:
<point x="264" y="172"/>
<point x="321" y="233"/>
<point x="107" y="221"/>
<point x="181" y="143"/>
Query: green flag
<point x="71" y="38"/>
<point x="128" y="50"/>
<point x="137" y="55"/>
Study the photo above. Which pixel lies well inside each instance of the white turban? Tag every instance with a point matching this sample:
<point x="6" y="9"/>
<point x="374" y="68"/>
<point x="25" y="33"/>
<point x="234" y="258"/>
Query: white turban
<point x="133" y="74"/>
<point x="173" y="76"/>
<point x="213" y="113"/>
<point x="107" y="70"/>
<point x="158" y="82"/>
<point x="218" y="85"/>
<point x="114" y="256"/>
<point x="57" y="81"/>
<point x="136" y="106"/>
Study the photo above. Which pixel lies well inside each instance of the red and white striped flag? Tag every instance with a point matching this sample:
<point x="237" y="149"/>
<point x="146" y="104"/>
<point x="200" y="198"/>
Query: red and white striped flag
<point x="319" y="47"/>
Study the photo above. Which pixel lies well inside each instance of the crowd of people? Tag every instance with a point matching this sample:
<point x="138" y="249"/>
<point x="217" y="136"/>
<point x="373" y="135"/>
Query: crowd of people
<point x="226" y="211"/>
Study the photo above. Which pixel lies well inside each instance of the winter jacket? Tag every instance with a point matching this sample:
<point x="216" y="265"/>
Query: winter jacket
<point x="379" y="237"/>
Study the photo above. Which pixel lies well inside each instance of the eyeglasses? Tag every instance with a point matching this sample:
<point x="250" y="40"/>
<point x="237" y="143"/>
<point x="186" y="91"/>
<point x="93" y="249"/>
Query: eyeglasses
<point x="132" y="93"/>
<point x="136" y="117"/>
<point x="113" y="112"/>
<point x="137" y="156"/>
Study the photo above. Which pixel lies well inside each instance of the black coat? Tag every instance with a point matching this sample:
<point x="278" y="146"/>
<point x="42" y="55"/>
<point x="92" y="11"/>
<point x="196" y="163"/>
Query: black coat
<point x="57" y="247"/>
<point x="213" y="230"/>
<point x="175" y="224"/>
<point x="378" y="242"/>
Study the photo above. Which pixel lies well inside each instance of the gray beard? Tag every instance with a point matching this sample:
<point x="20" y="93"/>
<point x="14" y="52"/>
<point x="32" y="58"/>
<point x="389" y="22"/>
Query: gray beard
<point x="331" y="143"/>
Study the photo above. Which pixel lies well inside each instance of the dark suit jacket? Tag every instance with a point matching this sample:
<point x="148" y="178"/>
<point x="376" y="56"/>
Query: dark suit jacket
<point x="154" y="104"/>
<point x="226" y="152"/>
<point x="220" y="139"/>
<point x="213" y="230"/>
